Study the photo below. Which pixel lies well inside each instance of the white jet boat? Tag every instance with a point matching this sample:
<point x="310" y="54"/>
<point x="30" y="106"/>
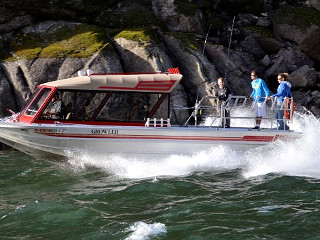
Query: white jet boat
<point x="125" y="113"/>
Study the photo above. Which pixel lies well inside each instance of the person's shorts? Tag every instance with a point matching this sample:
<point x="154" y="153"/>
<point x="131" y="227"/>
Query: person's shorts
<point x="261" y="109"/>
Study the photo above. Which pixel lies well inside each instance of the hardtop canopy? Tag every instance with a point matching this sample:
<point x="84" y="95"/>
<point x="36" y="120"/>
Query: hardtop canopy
<point x="136" y="82"/>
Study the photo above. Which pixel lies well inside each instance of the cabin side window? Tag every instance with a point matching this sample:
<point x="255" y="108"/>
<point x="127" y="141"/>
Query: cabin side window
<point x="38" y="102"/>
<point x="87" y="104"/>
<point x="125" y="106"/>
<point x="130" y="107"/>
<point x="79" y="105"/>
<point x="163" y="110"/>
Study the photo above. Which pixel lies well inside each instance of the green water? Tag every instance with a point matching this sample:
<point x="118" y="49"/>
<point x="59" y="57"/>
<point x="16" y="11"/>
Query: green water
<point x="49" y="199"/>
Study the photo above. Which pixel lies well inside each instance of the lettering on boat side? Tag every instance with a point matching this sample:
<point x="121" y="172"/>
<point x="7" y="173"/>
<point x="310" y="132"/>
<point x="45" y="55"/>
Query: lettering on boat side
<point x="105" y="131"/>
<point x="49" y="130"/>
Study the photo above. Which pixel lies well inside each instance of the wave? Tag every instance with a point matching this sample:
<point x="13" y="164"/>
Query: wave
<point x="143" y="231"/>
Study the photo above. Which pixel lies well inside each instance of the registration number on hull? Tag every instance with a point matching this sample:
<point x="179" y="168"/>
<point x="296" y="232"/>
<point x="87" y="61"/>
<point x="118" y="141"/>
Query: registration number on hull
<point x="49" y="130"/>
<point x="105" y="131"/>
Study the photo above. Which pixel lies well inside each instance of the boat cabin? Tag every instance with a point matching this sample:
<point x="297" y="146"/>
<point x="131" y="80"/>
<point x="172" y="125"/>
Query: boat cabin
<point x="112" y="99"/>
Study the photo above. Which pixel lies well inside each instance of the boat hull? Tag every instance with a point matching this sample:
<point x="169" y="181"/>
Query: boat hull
<point x="66" y="139"/>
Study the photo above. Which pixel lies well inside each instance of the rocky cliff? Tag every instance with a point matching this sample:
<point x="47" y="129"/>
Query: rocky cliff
<point x="44" y="41"/>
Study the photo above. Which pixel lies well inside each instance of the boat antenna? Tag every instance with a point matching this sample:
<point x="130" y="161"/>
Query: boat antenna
<point x="226" y="68"/>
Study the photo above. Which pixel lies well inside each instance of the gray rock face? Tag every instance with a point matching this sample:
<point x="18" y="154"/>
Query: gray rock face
<point x="7" y="100"/>
<point x="264" y="22"/>
<point x="303" y="77"/>
<point x="251" y="45"/>
<point x="315" y="4"/>
<point x="301" y="26"/>
<point x="256" y="41"/>
<point x="16" y="23"/>
<point x="271" y="45"/>
<point x="295" y="57"/>
<point x="310" y="44"/>
<point x="279" y="66"/>
<point x="137" y="58"/>
<point x="169" y="14"/>
<point x="308" y="40"/>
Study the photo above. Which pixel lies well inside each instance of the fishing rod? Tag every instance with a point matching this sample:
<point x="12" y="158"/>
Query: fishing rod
<point x="228" y="52"/>
<point x="205" y="41"/>
<point x="201" y="60"/>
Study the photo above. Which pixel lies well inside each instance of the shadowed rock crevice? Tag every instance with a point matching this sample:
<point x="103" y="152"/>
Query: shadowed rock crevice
<point x="6" y="93"/>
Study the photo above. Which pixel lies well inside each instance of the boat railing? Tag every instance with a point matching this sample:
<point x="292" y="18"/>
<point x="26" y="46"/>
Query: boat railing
<point x="157" y="122"/>
<point x="217" y="111"/>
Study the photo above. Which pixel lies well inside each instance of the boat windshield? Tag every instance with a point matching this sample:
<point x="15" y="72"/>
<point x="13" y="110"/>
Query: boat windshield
<point x="38" y="102"/>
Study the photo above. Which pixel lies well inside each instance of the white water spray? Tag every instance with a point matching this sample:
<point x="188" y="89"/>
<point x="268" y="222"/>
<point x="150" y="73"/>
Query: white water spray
<point x="297" y="158"/>
<point x="143" y="231"/>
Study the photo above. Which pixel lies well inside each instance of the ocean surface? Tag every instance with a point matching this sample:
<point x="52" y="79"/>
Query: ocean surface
<point x="270" y="192"/>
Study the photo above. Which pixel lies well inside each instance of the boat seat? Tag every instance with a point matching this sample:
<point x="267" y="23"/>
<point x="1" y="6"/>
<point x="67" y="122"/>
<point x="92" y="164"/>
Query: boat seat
<point x="66" y="112"/>
<point x="69" y="115"/>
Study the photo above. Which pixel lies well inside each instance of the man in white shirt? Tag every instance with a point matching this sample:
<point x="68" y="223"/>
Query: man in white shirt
<point x="54" y="108"/>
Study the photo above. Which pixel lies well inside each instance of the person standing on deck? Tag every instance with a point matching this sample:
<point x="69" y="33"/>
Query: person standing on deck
<point x="223" y="93"/>
<point x="259" y="94"/>
<point x="283" y="91"/>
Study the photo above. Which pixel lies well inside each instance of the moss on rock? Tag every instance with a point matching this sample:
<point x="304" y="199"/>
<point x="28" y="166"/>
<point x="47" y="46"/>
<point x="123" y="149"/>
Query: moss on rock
<point x="301" y="17"/>
<point x="76" y="41"/>
<point x="142" y="35"/>
<point x="259" y="31"/>
<point x="216" y="23"/>
<point x="186" y="7"/>
<point x="131" y="18"/>
<point x="137" y="35"/>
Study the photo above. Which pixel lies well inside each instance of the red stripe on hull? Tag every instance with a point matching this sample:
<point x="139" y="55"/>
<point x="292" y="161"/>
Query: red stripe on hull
<point x="155" y="137"/>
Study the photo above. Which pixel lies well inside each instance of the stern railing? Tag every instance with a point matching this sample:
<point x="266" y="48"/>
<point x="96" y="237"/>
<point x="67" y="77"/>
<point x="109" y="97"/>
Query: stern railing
<point x="237" y="102"/>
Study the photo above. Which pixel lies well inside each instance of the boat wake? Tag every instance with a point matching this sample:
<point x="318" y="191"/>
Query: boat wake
<point x="297" y="158"/>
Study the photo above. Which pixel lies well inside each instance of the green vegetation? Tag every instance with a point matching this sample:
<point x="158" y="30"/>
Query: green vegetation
<point x="186" y="7"/>
<point x="3" y="53"/>
<point x="301" y="17"/>
<point x="259" y="31"/>
<point x="255" y="7"/>
<point x="131" y="18"/>
<point x="137" y="35"/>
<point x="76" y="41"/>
<point x="216" y="23"/>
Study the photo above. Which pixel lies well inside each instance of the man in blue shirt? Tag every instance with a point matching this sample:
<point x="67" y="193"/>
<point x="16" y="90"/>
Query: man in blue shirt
<point x="259" y="94"/>
<point x="283" y="91"/>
